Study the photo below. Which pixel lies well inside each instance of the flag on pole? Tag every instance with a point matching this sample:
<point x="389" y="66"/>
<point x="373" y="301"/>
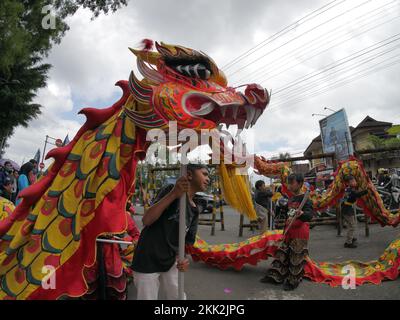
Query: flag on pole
<point x="66" y="140"/>
<point x="37" y="156"/>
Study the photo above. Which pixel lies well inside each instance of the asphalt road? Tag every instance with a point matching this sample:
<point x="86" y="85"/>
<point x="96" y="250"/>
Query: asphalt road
<point x="205" y="282"/>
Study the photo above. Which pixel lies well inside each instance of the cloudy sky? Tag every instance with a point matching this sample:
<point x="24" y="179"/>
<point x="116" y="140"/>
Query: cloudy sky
<point x="337" y="54"/>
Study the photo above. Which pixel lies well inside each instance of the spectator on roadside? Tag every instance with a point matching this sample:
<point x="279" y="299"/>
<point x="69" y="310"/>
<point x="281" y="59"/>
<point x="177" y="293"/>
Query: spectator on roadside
<point x="35" y="171"/>
<point x="6" y="189"/>
<point x="5" y="172"/>
<point x="263" y="196"/>
<point x="15" y="175"/>
<point x="23" y="180"/>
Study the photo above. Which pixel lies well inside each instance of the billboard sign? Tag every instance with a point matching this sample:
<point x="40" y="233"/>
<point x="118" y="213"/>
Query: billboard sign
<point x="336" y="136"/>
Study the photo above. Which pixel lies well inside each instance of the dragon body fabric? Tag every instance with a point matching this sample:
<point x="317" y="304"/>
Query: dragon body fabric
<point x="52" y="233"/>
<point x="255" y="249"/>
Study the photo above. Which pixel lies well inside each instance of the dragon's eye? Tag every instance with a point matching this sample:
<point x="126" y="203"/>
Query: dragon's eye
<point x="197" y="70"/>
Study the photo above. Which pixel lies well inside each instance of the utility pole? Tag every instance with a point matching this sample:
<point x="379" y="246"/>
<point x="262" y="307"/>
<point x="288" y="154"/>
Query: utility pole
<point x="46" y="142"/>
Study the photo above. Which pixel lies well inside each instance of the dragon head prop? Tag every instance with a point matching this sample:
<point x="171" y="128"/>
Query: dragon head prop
<point x="184" y="85"/>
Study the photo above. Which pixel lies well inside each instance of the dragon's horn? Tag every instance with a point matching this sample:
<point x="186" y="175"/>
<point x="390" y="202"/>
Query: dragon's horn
<point x="148" y="56"/>
<point x="140" y="90"/>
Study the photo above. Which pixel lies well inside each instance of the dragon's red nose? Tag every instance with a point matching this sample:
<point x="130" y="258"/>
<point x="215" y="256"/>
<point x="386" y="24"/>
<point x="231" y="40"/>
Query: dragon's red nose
<point x="257" y="95"/>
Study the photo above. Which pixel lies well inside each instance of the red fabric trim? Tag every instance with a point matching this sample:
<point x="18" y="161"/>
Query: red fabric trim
<point x="314" y="273"/>
<point x="251" y="253"/>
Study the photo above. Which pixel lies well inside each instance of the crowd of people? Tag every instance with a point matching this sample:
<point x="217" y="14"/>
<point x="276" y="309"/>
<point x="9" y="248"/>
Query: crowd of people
<point x="13" y="180"/>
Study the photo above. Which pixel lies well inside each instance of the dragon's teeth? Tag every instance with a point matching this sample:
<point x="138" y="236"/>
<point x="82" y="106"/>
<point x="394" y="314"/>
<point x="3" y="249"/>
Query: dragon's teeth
<point x="223" y="110"/>
<point x="235" y="111"/>
<point x="257" y="114"/>
<point x="250" y="112"/>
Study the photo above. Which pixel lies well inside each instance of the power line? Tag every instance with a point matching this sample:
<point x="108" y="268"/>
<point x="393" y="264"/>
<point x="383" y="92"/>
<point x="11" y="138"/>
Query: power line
<point x="288" y="97"/>
<point x="313" y="84"/>
<point x="299" y="36"/>
<point x="339" y="62"/>
<point x="278" y="34"/>
<point x="260" y="72"/>
<point x="339" y="83"/>
<point x="277" y="74"/>
<point x="345" y="80"/>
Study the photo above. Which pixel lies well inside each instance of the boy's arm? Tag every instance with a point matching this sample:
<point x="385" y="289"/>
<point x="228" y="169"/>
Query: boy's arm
<point x="154" y="212"/>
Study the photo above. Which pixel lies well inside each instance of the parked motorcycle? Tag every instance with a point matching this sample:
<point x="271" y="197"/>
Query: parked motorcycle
<point x="390" y="195"/>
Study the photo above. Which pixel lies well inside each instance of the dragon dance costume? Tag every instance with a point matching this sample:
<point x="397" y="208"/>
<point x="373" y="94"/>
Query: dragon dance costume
<point x="82" y="196"/>
<point x="290" y="257"/>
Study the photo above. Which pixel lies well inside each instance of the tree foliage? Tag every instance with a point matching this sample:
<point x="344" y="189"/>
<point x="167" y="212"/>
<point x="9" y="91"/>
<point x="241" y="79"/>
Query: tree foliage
<point x="24" y="43"/>
<point x="378" y="143"/>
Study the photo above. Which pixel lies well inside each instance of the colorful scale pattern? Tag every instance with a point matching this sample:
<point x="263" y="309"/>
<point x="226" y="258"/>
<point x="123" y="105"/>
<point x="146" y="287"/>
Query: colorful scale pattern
<point x="51" y="233"/>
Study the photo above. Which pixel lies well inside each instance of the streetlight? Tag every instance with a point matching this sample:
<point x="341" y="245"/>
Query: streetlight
<point x="319" y="114"/>
<point x="326" y="108"/>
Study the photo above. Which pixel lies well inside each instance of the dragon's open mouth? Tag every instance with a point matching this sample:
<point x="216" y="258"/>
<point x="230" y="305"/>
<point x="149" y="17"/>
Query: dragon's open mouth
<point x="223" y="108"/>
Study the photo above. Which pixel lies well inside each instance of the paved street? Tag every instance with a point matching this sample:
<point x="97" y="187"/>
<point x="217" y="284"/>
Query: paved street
<point x="204" y="282"/>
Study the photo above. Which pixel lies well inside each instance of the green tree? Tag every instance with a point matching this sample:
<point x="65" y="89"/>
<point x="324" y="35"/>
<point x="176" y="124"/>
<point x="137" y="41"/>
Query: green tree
<point x="395" y="130"/>
<point x="376" y="141"/>
<point x="284" y="155"/>
<point x="24" y="42"/>
<point x="383" y="143"/>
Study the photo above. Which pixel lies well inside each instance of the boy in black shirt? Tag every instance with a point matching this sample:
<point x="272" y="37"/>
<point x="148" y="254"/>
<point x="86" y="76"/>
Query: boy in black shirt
<point x="155" y="258"/>
<point x="350" y="197"/>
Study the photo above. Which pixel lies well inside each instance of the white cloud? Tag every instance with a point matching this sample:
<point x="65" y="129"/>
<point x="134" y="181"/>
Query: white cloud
<point x="56" y="101"/>
<point x="94" y="55"/>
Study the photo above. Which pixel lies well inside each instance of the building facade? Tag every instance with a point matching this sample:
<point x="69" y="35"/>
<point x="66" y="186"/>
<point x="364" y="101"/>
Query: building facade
<point x="361" y="138"/>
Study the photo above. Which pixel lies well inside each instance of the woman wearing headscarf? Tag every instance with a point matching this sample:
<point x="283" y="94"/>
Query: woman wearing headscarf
<point x="23" y="179"/>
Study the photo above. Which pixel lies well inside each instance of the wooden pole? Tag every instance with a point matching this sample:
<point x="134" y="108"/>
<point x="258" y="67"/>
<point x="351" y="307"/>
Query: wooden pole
<point x="44" y="151"/>
<point x="221" y="209"/>
<point x="182" y="234"/>
<point x="339" y="220"/>
<point x="241" y="225"/>
<point x="366" y="226"/>
<point x="214" y="213"/>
